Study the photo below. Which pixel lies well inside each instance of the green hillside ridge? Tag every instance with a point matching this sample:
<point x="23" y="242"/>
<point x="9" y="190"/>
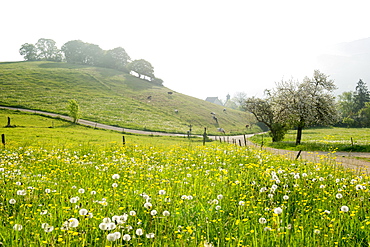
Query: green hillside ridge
<point x="112" y="97"/>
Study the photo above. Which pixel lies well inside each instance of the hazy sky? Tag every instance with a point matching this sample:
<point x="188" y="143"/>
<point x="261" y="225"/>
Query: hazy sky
<point x="198" y="47"/>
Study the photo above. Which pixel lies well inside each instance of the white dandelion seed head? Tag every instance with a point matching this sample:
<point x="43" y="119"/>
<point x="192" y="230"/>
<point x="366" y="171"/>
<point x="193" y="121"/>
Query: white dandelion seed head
<point x="262" y="220"/>
<point x="278" y="210"/>
<point x="148" y="205"/>
<point x="93" y="192"/>
<point x="49" y="228"/>
<point x="21" y="192"/>
<point x="339" y="196"/>
<point x="83" y="211"/>
<point x="219" y="197"/>
<point x="43" y="225"/>
<point x="126" y="237"/>
<point x="111" y="226"/>
<point x="103" y="226"/>
<point x="17" y="227"/>
<point x="150" y="235"/>
<point x="117" y="234"/>
<point x="218" y="207"/>
<point x="153" y="212"/>
<point x="162" y="192"/>
<point x="139" y="232"/>
<point x="81" y="191"/>
<point x="107" y="220"/>
<point x="359" y="187"/>
<point x="241" y="203"/>
<point x="166" y="213"/>
<point x="316" y="231"/>
<point x="111" y="237"/>
<point x="12" y="201"/>
<point x="132" y="213"/>
<point x="73" y="200"/>
<point x="263" y="189"/>
<point x="344" y="209"/>
<point x="114" y="185"/>
<point x="285" y="197"/>
<point x="43" y="212"/>
<point x="116" y="176"/>
<point x="73" y="222"/>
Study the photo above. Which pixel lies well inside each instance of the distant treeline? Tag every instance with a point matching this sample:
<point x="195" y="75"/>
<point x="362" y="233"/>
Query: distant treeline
<point x="79" y="52"/>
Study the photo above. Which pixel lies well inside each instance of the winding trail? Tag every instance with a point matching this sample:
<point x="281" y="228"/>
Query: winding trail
<point x="347" y="159"/>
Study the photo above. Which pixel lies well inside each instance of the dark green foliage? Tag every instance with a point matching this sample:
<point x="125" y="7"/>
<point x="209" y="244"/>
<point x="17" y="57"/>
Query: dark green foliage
<point x="354" y="107"/>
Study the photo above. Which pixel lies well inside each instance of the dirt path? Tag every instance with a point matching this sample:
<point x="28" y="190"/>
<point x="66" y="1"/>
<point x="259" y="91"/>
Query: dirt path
<point x="346" y="159"/>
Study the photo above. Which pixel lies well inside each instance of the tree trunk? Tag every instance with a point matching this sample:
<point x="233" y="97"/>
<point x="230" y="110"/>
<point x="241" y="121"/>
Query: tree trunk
<point x="299" y="135"/>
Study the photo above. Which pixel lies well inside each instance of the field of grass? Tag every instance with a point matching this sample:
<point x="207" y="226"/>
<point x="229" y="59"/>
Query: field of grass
<point x="113" y="97"/>
<point x="322" y="139"/>
<point x="35" y="130"/>
<point x="76" y="192"/>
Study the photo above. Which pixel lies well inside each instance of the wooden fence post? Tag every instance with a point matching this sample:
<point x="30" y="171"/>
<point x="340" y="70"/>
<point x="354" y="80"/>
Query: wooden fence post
<point x="204" y="136"/>
<point x="245" y="141"/>
<point x="123" y="140"/>
<point x="3" y="139"/>
<point x="299" y="153"/>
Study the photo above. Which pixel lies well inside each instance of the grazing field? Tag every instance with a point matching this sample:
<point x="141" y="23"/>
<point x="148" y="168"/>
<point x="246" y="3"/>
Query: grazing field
<point x="322" y="139"/>
<point x="115" y="98"/>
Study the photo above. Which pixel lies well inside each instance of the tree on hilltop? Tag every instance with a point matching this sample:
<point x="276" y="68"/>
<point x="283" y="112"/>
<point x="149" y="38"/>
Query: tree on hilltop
<point x="47" y="50"/>
<point x="29" y="52"/>
<point x="117" y="58"/>
<point x="44" y="49"/>
<point x="142" y="68"/>
<point x="79" y="52"/>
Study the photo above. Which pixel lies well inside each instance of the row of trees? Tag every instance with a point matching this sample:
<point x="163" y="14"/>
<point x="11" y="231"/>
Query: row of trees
<point x="78" y="52"/>
<point x="294" y="104"/>
<point x="354" y="106"/>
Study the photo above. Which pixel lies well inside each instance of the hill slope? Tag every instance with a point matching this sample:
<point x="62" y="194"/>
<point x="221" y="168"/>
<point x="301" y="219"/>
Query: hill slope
<point x="346" y="63"/>
<point x="111" y="97"/>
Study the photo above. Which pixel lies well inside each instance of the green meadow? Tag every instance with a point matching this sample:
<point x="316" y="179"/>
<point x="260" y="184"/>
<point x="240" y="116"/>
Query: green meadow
<point x="69" y="185"/>
<point x="112" y="97"/>
<point x="322" y="139"/>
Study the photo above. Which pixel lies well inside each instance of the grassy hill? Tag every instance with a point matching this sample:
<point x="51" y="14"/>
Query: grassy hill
<point x="112" y="97"/>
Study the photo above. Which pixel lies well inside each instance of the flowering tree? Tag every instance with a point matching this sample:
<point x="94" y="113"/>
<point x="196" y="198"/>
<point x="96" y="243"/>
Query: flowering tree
<point x="306" y="104"/>
<point x="263" y="110"/>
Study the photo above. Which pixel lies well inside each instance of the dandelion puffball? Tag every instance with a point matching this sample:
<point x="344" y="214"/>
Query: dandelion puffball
<point x="344" y="209"/>
<point x="166" y="213"/>
<point x="115" y="176"/>
<point x="83" y="211"/>
<point x="278" y="210"/>
<point x="17" y="227"/>
<point x="73" y="222"/>
<point x="262" y="220"/>
<point x="139" y="232"/>
<point x="126" y="237"/>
